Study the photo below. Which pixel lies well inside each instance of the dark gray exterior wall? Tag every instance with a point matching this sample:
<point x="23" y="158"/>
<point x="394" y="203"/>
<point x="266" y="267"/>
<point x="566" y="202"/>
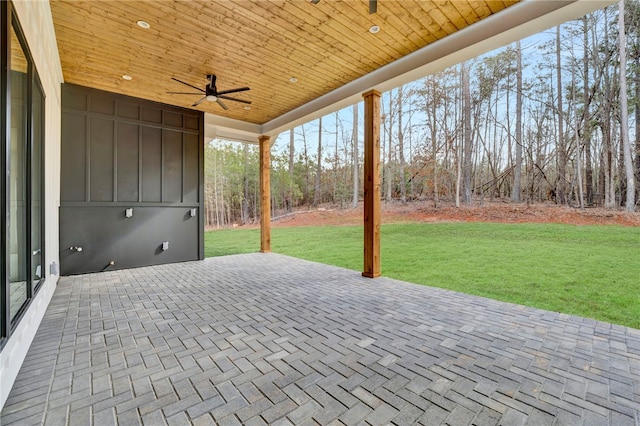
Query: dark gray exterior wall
<point x="122" y="153"/>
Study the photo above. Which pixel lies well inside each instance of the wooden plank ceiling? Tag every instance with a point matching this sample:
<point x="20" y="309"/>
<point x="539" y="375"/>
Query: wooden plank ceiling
<point x="255" y="43"/>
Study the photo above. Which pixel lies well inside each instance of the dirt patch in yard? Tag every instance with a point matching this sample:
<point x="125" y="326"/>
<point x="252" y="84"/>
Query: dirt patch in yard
<point x="422" y="211"/>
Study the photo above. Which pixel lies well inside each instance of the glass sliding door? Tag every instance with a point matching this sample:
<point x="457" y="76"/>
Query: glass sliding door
<point x="37" y="184"/>
<point x="22" y="191"/>
<point x="18" y="244"/>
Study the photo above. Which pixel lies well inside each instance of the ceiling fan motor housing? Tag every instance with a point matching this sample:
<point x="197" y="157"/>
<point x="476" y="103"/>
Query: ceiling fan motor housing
<point x="211" y="87"/>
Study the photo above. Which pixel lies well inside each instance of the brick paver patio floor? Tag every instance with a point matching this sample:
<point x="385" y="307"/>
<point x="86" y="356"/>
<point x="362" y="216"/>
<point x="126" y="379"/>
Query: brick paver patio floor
<point x="268" y="339"/>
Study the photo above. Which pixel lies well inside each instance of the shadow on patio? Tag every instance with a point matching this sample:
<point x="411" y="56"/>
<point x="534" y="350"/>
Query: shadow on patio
<point x="268" y="339"/>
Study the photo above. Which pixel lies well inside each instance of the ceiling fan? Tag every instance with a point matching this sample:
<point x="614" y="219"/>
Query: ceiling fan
<point x="373" y="5"/>
<point x="211" y="92"/>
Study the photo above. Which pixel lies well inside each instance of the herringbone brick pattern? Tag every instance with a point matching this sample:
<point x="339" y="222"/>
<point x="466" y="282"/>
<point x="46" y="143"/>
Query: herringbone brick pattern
<point x="266" y="339"/>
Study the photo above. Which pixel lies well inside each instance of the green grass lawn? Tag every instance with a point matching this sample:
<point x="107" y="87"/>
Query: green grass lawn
<point x="591" y="271"/>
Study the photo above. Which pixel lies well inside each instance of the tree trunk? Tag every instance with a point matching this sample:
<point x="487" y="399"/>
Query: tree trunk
<point x="466" y="135"/>
<point x="610" y="194"/>
<point x="578" y="167"/>
<point x="606" y="121"/>
<point x="434" y="146"/>
<point x="307" y="176"/>
<point x="624" y="119"/>
<point x="586" y="131"/>
<point x="607" y="163"/>
<point x="561" y="186"/>
<point x="215" y="187"/>
<point x="637" y="106"/>
<point x="389" y="159"/>
<point x="403" y="187"/>
<point x="356" y="168"/>
<point x="518" y="163"/>
<point x="458" y="161"/>
<point x="221" y="220"/>
<point x="578" y="158"/>
<point x="292" y="150"/>
<point x="316" y="192"/>
<point x="337" y="196"/>
<point x="510" y="161"/>
<point x="245" y="181"/>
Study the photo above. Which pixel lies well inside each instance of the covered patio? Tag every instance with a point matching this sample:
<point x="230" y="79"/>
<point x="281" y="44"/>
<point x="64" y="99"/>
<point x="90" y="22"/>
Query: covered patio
<point x="259" y="338"/>
<point x="269" y="339"/>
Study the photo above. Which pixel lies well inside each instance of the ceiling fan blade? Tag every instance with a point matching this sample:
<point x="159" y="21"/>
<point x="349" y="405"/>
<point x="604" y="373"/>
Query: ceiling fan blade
<point x="373" y="6"/>
<point x="224" y="107"/>
<point x="187" y="84"/>
<point x="183" y="93"/>
<point x="233" y="99"/>
<point x="199" y="102"/>
<point x="239" y="89"/>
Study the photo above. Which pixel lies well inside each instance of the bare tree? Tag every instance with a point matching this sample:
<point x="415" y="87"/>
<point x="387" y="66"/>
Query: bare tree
<point x="317" y="196"/>
<point x="390" y="159"/>
<point x="561" y="187"/>
<point x="245" y="181"/>
<point x="586" y="131"/>
<point x="578" y="160"/>
<point x="434" y="143"/>
<point x="517" y="176"/>
<point x="356" y="168"/>
<point x="292" y="150"/>
<point x="605" y="118"/>
<point x="403" y="187"/>
<point x="307" y="176"/>
<point x="634" y="23"/>
<point x="624" y="119"/>
<point x="496" y="125"/>
<point x="466" y="135"/>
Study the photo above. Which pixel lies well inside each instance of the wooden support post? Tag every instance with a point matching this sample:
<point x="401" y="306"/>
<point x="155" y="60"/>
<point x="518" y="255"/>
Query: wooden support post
<point x="371" y="184"/>
<point x="265" y="194"/>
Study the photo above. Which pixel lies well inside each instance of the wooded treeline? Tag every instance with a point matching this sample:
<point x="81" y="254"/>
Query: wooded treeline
<point x="544" y="119"/>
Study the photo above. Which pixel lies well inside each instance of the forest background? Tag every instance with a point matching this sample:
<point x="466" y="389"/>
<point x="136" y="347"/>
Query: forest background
<point x="548" y="119"/>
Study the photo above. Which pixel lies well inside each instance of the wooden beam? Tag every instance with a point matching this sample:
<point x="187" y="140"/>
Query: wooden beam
<point x="371" y="184"/>
<point x="265" y="194"/>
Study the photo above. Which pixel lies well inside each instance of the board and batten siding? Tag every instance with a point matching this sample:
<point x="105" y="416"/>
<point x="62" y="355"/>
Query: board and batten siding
<point x="121" y="153"/>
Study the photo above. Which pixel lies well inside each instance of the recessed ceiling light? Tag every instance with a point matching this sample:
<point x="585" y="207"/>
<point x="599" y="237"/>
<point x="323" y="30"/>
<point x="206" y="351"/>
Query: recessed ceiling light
<point x="247" y="108"/>
<point x="293" y="80"/>
<point x="127" y="77"/>
<point x="143" y="24"/>
<point x="374" y="29"/>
